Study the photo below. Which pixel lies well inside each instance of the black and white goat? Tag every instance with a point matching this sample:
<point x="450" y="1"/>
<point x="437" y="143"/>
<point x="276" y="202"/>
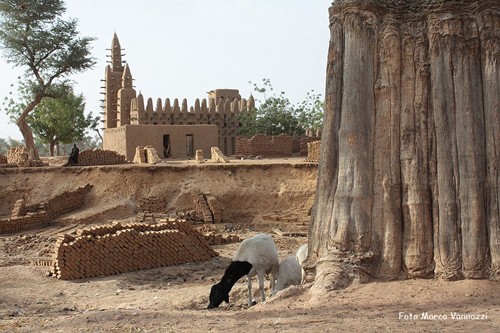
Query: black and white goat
<point x="255" y="256"/>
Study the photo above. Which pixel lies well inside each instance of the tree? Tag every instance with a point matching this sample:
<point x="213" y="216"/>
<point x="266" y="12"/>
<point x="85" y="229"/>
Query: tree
<point x="34" y="36"/>
<point x="5" y="145"/>
<point x="277" y="115"/>
<point x="61" y="120"/>
<point x="408" y="181"/>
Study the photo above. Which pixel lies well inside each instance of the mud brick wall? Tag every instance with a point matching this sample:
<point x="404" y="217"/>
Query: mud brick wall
<point x="263" y="145"/>
<point x="304" y="144"/>
<point x="27" y="222"/>
<point x="296" y="140"/>
<point x="28" y="217"/>
<point x="67" y="201"/>
<point x="313" y="151"/>
<point x="117" y="248"/>
<point x="152" y="204"/>
<point x="3" y="159"/>
<point x="100" y="157"/>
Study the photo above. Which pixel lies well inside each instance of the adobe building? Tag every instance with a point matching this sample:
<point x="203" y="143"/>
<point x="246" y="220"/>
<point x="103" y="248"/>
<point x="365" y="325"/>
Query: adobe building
<point x="171" y="127"/>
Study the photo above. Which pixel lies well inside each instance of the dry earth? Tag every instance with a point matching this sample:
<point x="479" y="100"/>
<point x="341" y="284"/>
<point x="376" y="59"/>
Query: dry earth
<point x="174" y="299"/>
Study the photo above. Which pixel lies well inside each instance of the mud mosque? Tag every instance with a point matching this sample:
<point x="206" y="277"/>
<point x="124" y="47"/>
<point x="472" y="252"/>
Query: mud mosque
<point x="173" y="128"/>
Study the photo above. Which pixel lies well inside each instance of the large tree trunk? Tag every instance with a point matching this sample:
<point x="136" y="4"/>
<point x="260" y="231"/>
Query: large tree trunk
<point x="408" y="183"/>
<point x="28" y="138"/>
<point x="26" y="129"/>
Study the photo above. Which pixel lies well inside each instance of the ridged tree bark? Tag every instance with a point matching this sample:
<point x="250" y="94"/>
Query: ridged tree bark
<point x="408" y="181"/>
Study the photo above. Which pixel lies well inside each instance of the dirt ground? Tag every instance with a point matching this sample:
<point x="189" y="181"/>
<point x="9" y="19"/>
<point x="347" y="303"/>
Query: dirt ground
<point x="174" y="299"/>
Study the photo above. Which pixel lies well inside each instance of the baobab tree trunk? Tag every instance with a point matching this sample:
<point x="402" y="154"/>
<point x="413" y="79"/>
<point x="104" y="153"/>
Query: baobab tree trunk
<point x="409" y="174"/>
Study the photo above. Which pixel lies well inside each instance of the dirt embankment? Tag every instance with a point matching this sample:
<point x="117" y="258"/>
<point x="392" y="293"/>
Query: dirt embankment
<point x="246" y="191"/>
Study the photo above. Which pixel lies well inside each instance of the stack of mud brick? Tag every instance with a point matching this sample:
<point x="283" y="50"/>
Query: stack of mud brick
<point x="313" y="151"/>
<point x="3" y="159"/>
<point x="27" y="217"/>
<point x="20" y="156"/>
<point x="151" y="204"/>
<point x="215" y="208"/>
<point x="219" y="239"/>
<point x="146" y="155"/>
<point x="207" y="207"/>
<point x="100" y="157"/>
<point x="280" y="218"/>
<point x="201" y="206"/>
<point x="263" y="145"/>
<point x="17" y="155"/>
<point x="198" y="157"/>
<point x="304" y="142"/>
<point x="152" y="218"/>
<point x="218" y="156"/>
<point x="291" y="221"/>
<point x="117" y="248"/>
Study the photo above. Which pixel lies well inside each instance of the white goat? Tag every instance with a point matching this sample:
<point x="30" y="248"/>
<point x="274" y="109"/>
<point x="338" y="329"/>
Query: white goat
<point x="289" y="274"/>
<point x="301" y="257"/>
<point x="255" y="256"/>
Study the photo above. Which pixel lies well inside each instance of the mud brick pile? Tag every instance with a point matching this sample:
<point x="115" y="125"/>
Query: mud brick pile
<point x="152" y="218"/>
<point x="100" y="157"/>
<point x="217" y="156"/>
<point x="27" y="217"/>
<point x="19" y="209"/>
<point x="304" y="142"/>
<point x="152" y="156"/>
<point x="3" y="159"/>
<point x="17" y="155"/>
<point x="220" y="239"/>
<point x="198" y="158"/>
<point x="20" y="157"/>
<point x="201" y="206"/>
<point x="215" y="208"/>
<point x="140" y="155"/>
<point x="313" y="151"/>
<point x="117" y="248"/>
<point x="146" y="154"/>
<point x="151" y="204"/>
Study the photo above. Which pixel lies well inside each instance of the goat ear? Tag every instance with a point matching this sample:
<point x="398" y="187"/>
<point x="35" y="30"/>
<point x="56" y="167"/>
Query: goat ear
<point x="226" y="298"/>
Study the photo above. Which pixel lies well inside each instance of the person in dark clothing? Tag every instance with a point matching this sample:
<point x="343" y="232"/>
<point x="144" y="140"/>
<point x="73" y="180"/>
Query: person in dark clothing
<point x="73" y="157"/>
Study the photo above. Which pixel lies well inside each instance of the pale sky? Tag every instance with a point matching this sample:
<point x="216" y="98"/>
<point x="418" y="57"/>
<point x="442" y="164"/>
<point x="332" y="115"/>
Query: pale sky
<point x="184" y="48"/>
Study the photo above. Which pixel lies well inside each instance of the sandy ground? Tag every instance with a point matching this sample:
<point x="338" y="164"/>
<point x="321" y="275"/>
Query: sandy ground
<point x="174" y="299"/>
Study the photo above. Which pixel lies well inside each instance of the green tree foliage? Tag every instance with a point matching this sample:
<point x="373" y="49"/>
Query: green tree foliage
<point x="34" y="36"/>
<point x="6" y="144"/>
<point x="276" y="115"/>
<point x="61" y="120"/>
